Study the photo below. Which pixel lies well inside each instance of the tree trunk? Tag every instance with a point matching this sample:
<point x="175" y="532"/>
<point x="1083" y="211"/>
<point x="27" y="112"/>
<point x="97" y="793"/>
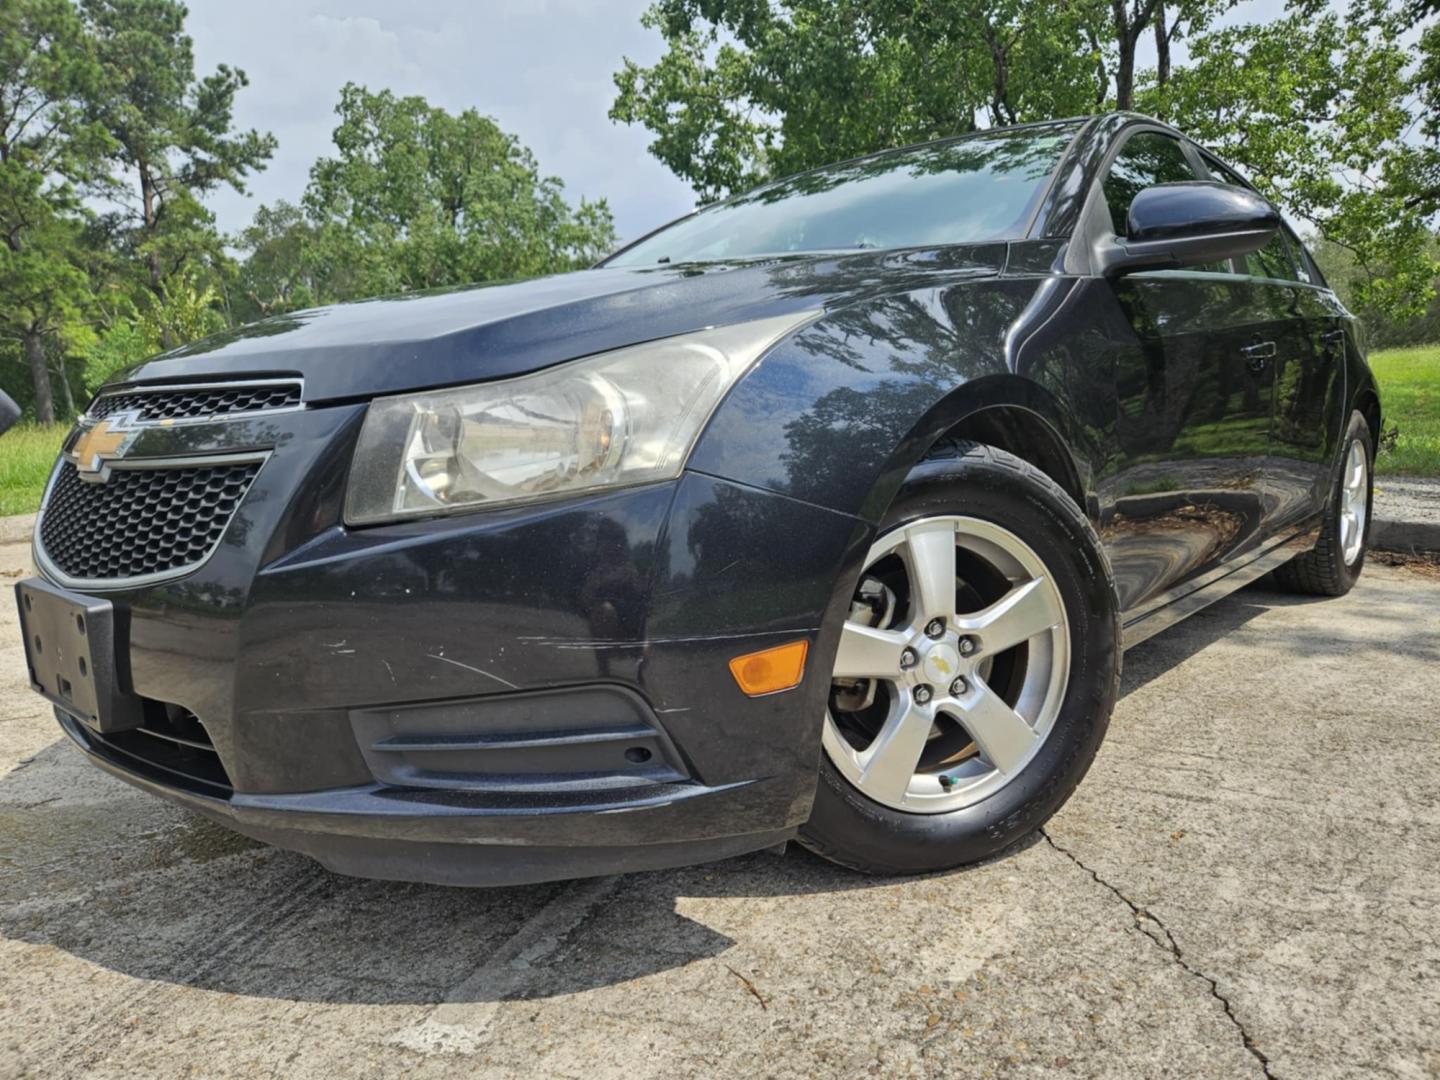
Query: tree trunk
<point x="65" y="393"/>
<point x="151" y="216"/>
<point x="40" y="375"/>
<point x="1125" y="74"/>
<point x="148" y="217"/>
<point x="1162" y="47"/>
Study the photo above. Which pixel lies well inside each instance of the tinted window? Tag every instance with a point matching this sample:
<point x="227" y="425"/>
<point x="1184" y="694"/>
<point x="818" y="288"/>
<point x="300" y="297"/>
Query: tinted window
<point x="1272" y="261"/>
<point x="1146" y="159"/>
<point x="981" y="187"/>
<point x="1304" y="265"/>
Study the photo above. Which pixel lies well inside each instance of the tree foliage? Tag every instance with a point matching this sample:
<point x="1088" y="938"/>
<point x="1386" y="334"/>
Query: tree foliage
<point x="751" y="89"/>
<point x="110" y="142"/>
<point x="416" y="197"/>
<point x="1332" y="113"/>
<point x="47" y="147"/>
<point x="1321" y="110"/>
<point x="173" y="132"/>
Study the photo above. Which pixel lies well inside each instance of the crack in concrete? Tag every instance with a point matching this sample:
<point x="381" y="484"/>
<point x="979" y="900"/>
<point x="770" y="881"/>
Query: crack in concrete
<point x="1144" y="920"/>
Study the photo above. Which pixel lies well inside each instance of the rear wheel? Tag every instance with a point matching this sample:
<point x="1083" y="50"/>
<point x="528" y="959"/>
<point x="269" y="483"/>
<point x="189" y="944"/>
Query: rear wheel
<point x="1334" y="565"/>
<point x="976" y="670"/>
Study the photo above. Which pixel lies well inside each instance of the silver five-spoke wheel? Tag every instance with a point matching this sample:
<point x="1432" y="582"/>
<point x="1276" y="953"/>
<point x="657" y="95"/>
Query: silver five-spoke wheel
<point x="952" y="666"/>
<point x="1354" y="502"/>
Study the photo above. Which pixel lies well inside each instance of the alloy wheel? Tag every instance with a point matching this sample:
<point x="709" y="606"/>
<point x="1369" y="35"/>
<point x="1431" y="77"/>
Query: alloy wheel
<point x="1354" y="502"/>
<point x="951" y="668"/>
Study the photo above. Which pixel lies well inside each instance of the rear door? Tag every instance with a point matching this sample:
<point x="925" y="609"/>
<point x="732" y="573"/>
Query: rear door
<point x="1303" y="319"/>
<point x="1184" y="490"/>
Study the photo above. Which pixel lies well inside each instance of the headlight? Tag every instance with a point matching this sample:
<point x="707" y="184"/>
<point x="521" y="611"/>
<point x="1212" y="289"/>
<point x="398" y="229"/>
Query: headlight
<point x="619" y="418"/>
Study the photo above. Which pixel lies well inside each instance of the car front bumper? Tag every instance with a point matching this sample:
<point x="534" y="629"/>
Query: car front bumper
<point x="519" y="695"/>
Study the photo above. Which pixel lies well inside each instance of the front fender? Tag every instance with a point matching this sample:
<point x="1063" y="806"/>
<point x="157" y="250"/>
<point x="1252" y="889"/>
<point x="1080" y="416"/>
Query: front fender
<point x="839" y="412"/>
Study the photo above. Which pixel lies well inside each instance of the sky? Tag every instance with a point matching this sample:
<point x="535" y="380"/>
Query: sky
<point x="542" y="68"/>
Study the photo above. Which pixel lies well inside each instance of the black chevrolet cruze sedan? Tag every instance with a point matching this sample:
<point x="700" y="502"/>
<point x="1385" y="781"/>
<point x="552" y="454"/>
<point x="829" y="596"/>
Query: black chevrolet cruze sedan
<point x="825" y="513"/>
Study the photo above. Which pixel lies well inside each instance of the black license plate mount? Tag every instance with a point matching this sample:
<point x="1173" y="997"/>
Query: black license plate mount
<point x="71" y="648"/>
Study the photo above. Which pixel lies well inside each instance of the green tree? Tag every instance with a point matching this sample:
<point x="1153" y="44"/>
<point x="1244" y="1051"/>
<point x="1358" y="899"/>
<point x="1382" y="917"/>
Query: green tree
<point x="748" y="90"/>
<point x="1319" y="109"/>
<point x="278" y="271"/>
<point x="1422" y="170"/>
<point x="417" y="197"/>
<point x="1382" y="329"/>
<point x="1336" y="115"/>
<point x="174" y="134"/>
<point x="46" y="148"/>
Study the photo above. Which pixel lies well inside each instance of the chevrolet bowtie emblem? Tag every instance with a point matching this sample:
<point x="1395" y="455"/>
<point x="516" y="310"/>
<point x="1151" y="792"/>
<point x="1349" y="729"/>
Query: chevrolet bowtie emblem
<point x="106" y="441"/>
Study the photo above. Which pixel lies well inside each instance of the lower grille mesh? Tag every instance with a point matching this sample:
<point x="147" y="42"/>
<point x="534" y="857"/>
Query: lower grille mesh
<point x="173" y="746"/>
<point x="140" y="521"/>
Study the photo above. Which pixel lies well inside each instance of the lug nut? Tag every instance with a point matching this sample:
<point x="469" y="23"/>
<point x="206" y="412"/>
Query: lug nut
<point x="907" y="658"/>
<point x="967" y="646"/>
<point x="959" y="687"/>
<point x="935" y="628"/>
<point x="922" y="694"/>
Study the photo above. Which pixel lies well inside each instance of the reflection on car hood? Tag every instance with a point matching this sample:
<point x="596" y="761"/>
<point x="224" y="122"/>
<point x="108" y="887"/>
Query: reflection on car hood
<point x="455" y="336"/>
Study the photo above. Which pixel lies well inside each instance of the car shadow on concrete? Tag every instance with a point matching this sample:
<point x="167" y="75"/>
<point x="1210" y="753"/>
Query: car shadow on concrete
<point x="1349" y="635"/>
<point x="134" y="885"/>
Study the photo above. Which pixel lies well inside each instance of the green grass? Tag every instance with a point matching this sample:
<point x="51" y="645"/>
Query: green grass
<point x="1410" y="398"/>
<point x="27" y="452"/>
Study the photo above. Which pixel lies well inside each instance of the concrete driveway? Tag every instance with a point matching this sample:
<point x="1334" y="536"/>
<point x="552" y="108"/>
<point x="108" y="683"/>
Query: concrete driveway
<point x="1247" y="884"/>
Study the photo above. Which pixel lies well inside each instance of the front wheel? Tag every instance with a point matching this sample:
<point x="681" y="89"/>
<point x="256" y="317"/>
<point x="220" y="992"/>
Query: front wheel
<point x="976" y="670"/>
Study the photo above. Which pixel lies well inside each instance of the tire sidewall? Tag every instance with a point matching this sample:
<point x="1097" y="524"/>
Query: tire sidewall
<point x="1357" y="429"/>
<point x="992" y="488"/>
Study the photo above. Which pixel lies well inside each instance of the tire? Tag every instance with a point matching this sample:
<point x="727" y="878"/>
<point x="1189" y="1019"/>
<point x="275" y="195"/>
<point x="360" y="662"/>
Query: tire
<point x="979" y="487"/>
<point x="1325" y="570"/>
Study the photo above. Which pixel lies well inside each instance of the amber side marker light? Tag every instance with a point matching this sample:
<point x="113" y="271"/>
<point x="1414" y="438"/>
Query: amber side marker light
<point x="770" y="670"/>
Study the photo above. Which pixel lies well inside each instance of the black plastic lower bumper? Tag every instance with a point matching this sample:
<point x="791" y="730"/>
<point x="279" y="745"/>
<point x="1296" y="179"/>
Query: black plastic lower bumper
<point x="459" y="838"/>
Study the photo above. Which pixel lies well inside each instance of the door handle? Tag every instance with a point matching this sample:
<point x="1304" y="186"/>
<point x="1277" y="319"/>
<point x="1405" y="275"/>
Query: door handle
<point x="1258" y="354"/>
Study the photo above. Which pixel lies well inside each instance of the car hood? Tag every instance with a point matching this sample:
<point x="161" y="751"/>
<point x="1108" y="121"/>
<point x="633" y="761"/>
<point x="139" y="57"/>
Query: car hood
<point x="441" y="338"/>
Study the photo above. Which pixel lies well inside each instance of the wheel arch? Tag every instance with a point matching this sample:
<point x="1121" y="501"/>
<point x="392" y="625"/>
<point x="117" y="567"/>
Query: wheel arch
<point x="1029" y="436"/>
<point x="1367" y="404"/>
<point x="1007" y="411"/>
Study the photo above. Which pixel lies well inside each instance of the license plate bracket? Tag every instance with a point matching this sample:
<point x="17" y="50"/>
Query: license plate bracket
<point x="71" y="650"/>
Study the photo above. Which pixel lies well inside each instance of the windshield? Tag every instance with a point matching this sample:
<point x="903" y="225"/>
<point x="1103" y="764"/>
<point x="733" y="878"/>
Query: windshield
<point x="968" y="190"/>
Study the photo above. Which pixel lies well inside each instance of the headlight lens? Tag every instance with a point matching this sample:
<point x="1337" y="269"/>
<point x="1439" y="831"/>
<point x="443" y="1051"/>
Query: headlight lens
<point x="619" y="418"/>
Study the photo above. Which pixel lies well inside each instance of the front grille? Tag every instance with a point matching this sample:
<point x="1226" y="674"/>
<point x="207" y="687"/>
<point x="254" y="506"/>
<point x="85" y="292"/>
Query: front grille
<point x="140" y="521"/>
<point x="194" y="403"/>
<point x="171" y="746"/>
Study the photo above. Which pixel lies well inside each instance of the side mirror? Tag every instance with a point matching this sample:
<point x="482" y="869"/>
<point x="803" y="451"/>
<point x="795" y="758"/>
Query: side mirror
<point x="1187" y="224"/>
<point x="9" y="412"/>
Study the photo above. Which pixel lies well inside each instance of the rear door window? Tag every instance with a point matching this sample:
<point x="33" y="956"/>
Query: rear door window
<point x="1277" y="259"/>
